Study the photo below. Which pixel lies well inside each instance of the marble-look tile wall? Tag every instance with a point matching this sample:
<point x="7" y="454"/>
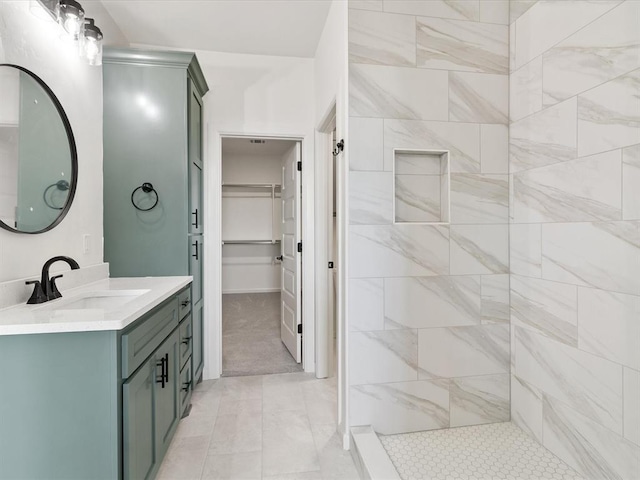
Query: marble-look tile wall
<point x="429" y="304"/>
<point x="575" y="230"/>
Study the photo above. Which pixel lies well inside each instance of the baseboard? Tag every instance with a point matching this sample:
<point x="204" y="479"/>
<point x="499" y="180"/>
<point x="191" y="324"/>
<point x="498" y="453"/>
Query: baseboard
<point x="252" y="290"/>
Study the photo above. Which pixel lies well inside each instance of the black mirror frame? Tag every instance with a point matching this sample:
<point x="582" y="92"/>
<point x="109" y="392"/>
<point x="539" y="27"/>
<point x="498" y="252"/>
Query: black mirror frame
<point x="72" y="151"/>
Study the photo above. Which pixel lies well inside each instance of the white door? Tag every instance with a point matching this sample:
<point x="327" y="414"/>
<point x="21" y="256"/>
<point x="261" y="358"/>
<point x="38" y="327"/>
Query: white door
<point x="291" y="292"/>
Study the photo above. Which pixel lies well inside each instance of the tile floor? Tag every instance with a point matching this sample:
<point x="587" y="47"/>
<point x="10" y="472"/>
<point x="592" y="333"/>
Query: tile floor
<point x="481" y="452"/>
<point x="251" y="342"/>
<point x="260" y="427"/>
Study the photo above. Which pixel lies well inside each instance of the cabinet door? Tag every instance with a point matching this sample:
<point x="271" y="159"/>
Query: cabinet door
<point x="166" y="393"/>
<point x="195" y="267"/>
<point x="138" y="418"/>
<point x="195" y="160"/>
<point x="197" y="355"/>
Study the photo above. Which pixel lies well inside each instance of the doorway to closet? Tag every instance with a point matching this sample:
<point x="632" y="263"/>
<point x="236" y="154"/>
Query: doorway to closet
<point x="261" y="259"/>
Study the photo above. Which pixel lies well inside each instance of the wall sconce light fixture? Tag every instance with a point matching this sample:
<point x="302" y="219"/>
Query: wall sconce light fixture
<point x="70" y="15"/>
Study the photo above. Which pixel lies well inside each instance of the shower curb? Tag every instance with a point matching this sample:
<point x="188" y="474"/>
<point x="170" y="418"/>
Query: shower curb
<point x="370" y="457"/>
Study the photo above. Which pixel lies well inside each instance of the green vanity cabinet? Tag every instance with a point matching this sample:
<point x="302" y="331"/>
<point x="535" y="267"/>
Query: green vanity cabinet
<point x="153" y="133"/>
<point x="96" y="405"/>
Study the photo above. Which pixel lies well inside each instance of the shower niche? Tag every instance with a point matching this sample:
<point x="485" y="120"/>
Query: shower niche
<point x="421" y="186"/>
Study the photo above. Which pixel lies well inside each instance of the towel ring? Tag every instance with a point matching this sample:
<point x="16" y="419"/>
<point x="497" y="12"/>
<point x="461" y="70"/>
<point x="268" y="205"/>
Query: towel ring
<point x="146" y="188"/>
<point x="61" y="185"/>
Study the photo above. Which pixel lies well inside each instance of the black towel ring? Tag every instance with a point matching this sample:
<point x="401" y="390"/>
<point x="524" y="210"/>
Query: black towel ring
<point x="61" y="185"/>
<point x="146" y="188"/>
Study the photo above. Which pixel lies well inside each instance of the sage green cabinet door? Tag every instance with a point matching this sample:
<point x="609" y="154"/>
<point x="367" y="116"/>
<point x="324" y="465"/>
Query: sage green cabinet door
<point x="166" y="392"/>
<point x="138" y="418"/>
<point x="197" y="215"/>
<point x="197" y="356"/>
<point x="195" y="267"/>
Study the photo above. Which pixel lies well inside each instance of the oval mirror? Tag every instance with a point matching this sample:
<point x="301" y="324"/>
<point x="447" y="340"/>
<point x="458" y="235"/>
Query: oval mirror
<point x="38" y="159"/>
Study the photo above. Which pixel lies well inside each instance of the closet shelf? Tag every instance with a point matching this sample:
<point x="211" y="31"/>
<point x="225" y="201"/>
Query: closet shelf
<point x="253" y="185"/>
<point x="250" y="242"/>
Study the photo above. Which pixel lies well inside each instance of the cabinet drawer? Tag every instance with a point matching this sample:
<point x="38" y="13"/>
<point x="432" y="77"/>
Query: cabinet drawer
<point x="186" y="387"/>
<point x="186" y="340"/>
<point x="141" y="342"/>
<point x="184" y="298"/>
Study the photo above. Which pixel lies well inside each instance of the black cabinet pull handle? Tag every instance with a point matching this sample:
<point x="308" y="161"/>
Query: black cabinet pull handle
<point x="163" y="373"/>
<point x="166" y="372"/>
<point x="196" y="214"/>
<point x="195" y="254"/>
<point x="185" y="303"/>
<point x="186" y="386"/>
<point x="186" y="340"/>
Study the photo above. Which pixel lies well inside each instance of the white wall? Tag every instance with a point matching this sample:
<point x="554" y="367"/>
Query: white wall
<point x="35" y="44"/>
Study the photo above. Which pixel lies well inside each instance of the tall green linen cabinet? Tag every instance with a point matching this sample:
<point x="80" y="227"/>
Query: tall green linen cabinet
<point x="153" y="135"/>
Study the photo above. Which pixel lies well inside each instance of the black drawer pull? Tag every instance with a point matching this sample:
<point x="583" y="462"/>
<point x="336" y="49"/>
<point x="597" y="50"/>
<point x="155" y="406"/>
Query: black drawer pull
<point x="195" y="254"/>
<point x="185" y="303"/>
<point x="186" y="340"/>
<point x="164" y="375"/>
<point x="186" y="386"/>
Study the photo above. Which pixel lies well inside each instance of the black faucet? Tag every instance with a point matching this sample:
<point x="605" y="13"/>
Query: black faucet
<point x="46" y="288"/>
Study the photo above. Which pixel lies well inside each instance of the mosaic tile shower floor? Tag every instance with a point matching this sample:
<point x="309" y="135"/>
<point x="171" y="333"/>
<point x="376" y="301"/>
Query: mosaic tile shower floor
<point x="481" y="452"/>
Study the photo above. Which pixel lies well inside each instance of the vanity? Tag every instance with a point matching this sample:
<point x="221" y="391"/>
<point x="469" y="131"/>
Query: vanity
<point x="95" y="383"/>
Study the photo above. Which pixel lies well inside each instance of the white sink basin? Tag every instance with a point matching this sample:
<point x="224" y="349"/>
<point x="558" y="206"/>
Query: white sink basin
<point x="101" y="300"/>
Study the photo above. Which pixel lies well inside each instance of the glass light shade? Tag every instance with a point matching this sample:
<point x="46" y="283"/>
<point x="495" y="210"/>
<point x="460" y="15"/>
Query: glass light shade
<point x="91" y="48"/>
<point x="71" y="17"/>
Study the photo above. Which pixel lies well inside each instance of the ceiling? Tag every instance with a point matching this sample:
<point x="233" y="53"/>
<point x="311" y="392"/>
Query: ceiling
<point x="262" y="27"/>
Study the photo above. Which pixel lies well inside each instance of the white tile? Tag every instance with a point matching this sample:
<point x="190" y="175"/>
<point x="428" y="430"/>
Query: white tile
<point x="479" y="400"/>
<point x="631" y="183"/>
<point x="494" y="11"/>
<point x="418" y="163"/>
<point x="546" y="307"/>
<point x="335" y="462"/>
<point x="184" y="459"/>
<point x="525" y="244"/>
<point x="544" y="138"/>
<point x="382" y="38"/>
<point x="397" y="92"/>
<point x="375" y="5"/>
<point x="400" y="407"/>
<point x="609" y="115"/>
<point x="495" y="299"/>
<point x="370" y="198"/>
<point x="604" y="49"/>
<point x="548" y="22"/>
<point x="478" y="97"/>
<point x="603" y="255"/>
<point x="383" y="357"/>
<point x="366" y="309"/>
<point x="462" y="140"/>
<point x="462" y="45"/>
<point x="512" y="48"/>
<point x="365" y="147"/>
<point x="287" y="444"/>
<point x="236" y="434"/>
<point x="425" y="302"/>
<point x="417" y="198"/>
<point x="479" y="249"/>
<point x="494" y="148"/>
<point x="463" y="351"/>
<point x="398" y="251"/>
<point x="479" y="198"/>
<point x="246" y="466"/>
<point x="594" y="451"/>
<point x="632" y="405"/>
<point x="585" y="189"/>
<point x="460" y="9"/>
<point x="518" y="7"/>
<point x="610" y="325"/>
<point x="525" y="90"/>
<point x="526" y="407"/>
<point x="588" y="383"/>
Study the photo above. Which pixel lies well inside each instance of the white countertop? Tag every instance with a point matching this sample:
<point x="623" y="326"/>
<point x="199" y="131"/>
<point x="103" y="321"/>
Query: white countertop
<point x="51" y="317"/>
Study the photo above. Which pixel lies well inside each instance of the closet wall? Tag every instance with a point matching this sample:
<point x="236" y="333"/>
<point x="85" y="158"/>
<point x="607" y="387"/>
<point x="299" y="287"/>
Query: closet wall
<point x="251" y="176"/>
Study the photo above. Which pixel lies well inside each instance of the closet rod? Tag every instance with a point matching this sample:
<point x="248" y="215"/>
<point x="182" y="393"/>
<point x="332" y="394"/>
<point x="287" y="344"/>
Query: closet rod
<point x="250" y="242"/>
<point x="252" y="185"/>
